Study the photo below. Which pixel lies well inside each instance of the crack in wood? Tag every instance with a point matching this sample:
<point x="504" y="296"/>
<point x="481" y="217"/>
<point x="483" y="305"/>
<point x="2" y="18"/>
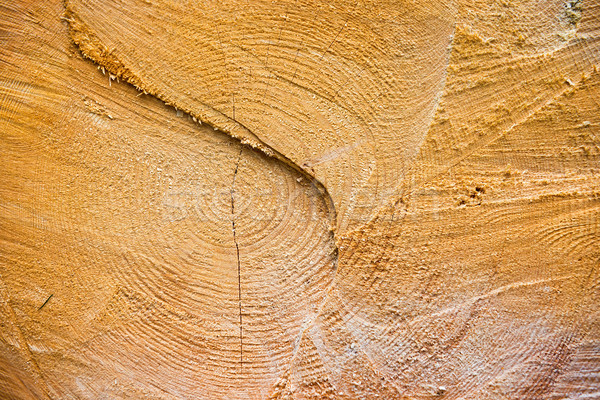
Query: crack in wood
<point x="237" y="251"/>
<point x="46" y="302"/>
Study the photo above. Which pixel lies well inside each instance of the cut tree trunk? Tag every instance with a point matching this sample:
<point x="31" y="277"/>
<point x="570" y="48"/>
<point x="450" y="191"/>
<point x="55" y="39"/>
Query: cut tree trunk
<point x="299" y="200"/>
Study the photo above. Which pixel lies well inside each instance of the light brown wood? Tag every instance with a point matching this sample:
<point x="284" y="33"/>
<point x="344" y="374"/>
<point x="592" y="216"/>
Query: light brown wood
<point x="294" y="200"/>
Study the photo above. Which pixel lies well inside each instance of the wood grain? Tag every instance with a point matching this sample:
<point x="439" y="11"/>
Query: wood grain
<point x="299" y="200"/>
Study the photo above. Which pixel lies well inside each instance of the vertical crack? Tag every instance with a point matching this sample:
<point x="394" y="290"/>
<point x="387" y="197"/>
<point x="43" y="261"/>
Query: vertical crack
<point x="237" y="250"/>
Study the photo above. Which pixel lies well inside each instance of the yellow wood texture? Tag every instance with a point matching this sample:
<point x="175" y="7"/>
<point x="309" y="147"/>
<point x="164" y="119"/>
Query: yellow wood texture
<point x="299" y="199"/>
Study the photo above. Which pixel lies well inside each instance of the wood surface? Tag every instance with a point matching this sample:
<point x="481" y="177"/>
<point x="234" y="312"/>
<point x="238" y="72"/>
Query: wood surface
<point x="299" y="199"/>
